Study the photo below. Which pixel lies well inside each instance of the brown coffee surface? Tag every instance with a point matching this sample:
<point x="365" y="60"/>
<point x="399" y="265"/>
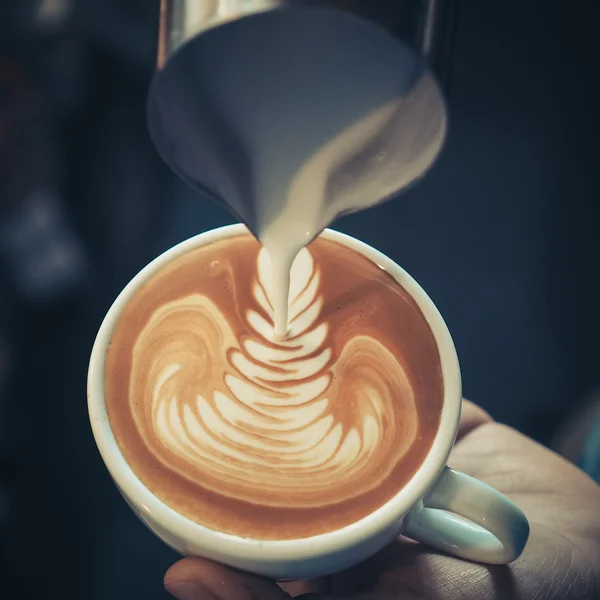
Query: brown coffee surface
<point x="271" y="439"/>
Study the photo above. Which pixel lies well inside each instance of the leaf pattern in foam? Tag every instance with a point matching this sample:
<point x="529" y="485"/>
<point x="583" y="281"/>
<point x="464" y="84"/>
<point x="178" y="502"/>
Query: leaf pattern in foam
<point x="271" y="411"/>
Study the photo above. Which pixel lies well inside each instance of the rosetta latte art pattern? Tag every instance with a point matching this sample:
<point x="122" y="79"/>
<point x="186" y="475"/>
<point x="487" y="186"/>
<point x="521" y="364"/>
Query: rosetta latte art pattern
<point x="264" y="421"/>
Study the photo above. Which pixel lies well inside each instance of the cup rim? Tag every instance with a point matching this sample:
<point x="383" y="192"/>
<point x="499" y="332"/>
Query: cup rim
<point x="277" y="551"/>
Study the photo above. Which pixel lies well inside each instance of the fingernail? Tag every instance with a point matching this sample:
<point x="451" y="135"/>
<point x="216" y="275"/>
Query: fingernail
<point x="190" y="590"/>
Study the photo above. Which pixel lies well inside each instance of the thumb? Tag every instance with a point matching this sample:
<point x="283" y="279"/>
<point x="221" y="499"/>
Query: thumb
<point x="471" y="418"/>
<point x="199" y="579"/>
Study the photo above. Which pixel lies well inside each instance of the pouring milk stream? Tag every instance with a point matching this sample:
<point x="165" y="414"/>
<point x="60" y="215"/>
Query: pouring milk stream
<point x="293" y="117"/>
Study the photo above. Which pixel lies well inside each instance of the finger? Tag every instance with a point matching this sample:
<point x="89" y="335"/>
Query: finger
<point x="369" y="576"/>
<point x="199" y="579"/>
<point x="471" y="417"/>
<point x="305" y="586"/>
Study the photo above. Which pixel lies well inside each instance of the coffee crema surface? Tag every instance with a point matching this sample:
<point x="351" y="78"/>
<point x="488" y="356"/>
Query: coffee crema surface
<point x="264" y="438"/>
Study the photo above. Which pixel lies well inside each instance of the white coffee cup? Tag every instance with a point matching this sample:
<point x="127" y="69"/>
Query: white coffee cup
<point x="440" y="507"/>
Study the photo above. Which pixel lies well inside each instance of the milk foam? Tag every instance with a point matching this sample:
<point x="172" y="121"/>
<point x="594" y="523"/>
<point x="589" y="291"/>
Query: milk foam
<point x="276" y="422"/>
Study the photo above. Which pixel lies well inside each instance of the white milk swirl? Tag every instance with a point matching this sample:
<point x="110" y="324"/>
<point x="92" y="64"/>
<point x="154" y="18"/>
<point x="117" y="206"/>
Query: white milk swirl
<point x="280" y="423"/>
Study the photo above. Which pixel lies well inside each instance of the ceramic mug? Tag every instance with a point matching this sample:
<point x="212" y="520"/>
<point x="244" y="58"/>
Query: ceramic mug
<point x="440" y="507"/>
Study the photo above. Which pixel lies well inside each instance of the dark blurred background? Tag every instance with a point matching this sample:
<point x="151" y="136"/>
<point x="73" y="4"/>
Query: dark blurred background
<point x="502" y="234"/>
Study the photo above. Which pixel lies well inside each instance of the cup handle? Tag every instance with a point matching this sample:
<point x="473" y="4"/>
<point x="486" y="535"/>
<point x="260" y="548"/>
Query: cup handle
<point x="467" y="518"/>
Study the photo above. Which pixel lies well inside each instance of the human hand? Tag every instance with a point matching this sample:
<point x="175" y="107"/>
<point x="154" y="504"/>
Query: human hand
<point x="561" y="560"/>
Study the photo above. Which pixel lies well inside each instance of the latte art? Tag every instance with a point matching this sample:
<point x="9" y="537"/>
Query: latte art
<point x="269" y="421"/>
<point x="265" y="438"/>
